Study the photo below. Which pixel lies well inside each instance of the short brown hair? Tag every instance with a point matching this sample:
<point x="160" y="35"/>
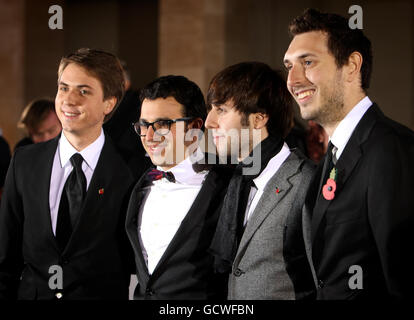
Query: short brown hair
<point x="342" y="40"/>
<point x="254" y="87"/>
<point x="35" y="112"/>
<point x="102" y="65"/>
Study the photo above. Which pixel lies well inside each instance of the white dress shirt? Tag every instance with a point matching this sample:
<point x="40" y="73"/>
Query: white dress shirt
<point x="62" y="168"/>
<point x="344" y="130"/>
<point x="164" y="208"/>
<point x="260" y="181"/>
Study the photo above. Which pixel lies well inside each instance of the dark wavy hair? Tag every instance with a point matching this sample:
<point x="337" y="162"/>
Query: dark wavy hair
<point x="254" y="87"/>
<point x="184" y="91"/>
<point x="342" y="40"/>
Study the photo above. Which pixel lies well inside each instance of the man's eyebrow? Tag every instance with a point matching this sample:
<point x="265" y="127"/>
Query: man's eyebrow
<point x="157" y="119"/>
<point x="302" y="56"/>
<point x="78" y="86"/>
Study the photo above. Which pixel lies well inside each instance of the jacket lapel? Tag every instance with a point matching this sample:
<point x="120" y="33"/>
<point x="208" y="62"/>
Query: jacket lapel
<point x="196" y="214"/>
<point x="270" y="199"/>
<point x="45" y="170"/>
<point x="346" y="164"/>
<point x="138" y="196"/>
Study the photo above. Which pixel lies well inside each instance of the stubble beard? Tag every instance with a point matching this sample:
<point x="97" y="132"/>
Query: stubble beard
<point x="331" y="110"/>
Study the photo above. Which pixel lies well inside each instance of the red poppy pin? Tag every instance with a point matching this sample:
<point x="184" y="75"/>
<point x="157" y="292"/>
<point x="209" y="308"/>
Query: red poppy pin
<point x="277" y="190"/>
<point x="329" y="188"/>
<point x="101" y="191"/>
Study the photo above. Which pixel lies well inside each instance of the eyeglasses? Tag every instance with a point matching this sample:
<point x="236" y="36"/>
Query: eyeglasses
<point x="160" y="127"/>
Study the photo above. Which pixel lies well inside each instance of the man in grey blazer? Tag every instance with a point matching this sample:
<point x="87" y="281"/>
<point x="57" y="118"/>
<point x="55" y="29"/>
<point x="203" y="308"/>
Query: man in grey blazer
<point x="259" y="238"/>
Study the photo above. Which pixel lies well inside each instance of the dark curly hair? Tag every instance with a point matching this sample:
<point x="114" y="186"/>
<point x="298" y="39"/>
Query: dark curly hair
<point x="184" y="91"/>
<point x="254" y="87"/>
<point x="342" y="40"/>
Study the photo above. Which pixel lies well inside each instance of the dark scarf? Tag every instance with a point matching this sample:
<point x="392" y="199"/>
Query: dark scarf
<point x="230" y="223"/>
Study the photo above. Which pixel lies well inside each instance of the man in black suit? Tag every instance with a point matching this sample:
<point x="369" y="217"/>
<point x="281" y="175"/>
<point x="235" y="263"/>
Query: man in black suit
<point x="122" y="133"/>
<point x="360" y="199"/>
<point x="63" y="209"/>
<point x="173" y="209"/>
<point x="4" y="161"/>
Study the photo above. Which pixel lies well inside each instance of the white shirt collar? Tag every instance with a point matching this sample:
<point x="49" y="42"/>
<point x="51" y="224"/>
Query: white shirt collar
<point x="90" y="154"/>
<point x="184" y="172"/>
<point x="345" y="128"/>
<point x="272" y="166"/>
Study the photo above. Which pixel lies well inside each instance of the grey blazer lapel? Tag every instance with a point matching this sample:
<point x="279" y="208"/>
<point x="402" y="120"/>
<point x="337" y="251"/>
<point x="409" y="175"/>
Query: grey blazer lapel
<point x="270" y="199"/>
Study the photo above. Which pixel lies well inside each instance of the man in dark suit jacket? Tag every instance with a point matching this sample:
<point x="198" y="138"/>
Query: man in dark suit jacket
<point x="51" y="244"/>
<point x="4" y="161"/>
<point x="122" y="133"/>
<point x="173" y="210"/>
<point x="360" y="200"/>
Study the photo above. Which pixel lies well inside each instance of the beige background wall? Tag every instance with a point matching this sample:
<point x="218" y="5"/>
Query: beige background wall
<point x="196" y="38"/>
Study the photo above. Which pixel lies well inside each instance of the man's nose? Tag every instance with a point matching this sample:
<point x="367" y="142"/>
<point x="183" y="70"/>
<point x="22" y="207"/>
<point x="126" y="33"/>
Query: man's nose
<point x="70" y="98"/>
<point x="149" y="136"/>
<point x="296" y="76"/>
<point x="211" y="121"/>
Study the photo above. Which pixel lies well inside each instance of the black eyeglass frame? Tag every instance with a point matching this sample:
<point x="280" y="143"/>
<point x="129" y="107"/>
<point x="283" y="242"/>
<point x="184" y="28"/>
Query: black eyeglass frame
<point x="137" y="125"/>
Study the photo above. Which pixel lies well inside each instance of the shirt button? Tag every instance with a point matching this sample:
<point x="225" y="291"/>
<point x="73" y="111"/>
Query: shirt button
<point x="320" y="284"/>
<point x="149" y="292"/>
<point x="238" y="272"/>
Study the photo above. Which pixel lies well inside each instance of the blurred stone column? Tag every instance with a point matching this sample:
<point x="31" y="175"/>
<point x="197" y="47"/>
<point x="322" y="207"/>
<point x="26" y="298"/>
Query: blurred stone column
<point x="192" y="39"/>
<point x="11" y="66"/>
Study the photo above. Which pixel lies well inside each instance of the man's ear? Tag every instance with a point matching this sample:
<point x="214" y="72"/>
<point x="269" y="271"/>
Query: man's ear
<point x="197" y="123"/>
<point x="353" y="68"/>
<point x="109" y="105"/>
<point x="260" y="120"/>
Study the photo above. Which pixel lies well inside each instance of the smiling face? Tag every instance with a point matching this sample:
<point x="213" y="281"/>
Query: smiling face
<point x="165" y="150"/>
<point x="80" y="104"/>
<point x="314" y="79"/>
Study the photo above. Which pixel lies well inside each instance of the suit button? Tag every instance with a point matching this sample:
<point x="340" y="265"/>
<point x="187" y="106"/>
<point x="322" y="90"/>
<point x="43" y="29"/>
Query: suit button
<point x="238" y="272"/>
<point x="149" y="292"/>
<point x="59" y="295"/>
<point x="320" y="284"/>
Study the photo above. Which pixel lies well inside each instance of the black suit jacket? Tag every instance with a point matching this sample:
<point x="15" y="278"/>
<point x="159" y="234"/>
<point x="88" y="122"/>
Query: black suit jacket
<point x="4" y="160"/>
<point x="370" y="221"/>
<point x="185" y="271"/>
<point x="95" y="261"/>
<point x="122" y="133"/>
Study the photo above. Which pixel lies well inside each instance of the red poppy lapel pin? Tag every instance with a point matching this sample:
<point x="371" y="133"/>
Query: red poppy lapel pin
<point x="101" y="191"/>
<point x="329" y="188"/>
<point x="277" y="190"/>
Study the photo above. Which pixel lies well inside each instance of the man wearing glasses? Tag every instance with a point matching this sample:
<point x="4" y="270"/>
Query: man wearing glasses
<point x="174" y="208"/>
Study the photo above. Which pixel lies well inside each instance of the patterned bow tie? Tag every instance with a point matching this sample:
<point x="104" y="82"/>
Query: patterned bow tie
<point x="155" y="174"/>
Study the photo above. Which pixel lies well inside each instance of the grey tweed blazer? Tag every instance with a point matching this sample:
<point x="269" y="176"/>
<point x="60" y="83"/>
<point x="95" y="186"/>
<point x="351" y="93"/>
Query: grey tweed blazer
<point x="272" y="259"/>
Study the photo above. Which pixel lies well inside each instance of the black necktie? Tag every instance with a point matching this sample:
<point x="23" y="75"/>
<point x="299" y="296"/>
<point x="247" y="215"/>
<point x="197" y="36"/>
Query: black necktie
<point x="327" y="167"/>
<point x="155" y="174"/>
<point x="71" y="201"/>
